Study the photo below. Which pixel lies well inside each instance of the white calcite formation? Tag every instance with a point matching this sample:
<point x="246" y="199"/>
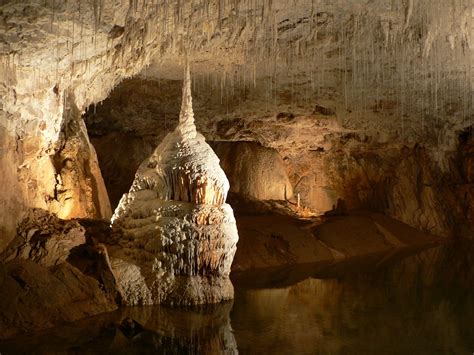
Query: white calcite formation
<point x="179" y="235"/>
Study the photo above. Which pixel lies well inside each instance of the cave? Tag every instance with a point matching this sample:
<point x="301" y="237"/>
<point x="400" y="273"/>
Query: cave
<point x="225" y="176"/>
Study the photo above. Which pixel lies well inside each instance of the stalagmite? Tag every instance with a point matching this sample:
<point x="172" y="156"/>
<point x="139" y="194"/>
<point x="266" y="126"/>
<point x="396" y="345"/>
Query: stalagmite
<point x="179" y="235"/>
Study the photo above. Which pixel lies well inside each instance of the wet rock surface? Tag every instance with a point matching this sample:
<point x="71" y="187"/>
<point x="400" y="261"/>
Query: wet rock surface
<point x="35" y="297"/>
<point x="273" y="237"/>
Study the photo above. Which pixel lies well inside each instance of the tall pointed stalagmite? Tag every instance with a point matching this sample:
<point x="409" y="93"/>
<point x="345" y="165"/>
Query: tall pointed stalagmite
<point x="186" y="125"/>
<point x="179" y="235"/>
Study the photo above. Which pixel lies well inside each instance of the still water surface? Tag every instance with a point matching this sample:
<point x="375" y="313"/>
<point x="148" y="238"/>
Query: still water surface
<point x="422" y="303"/>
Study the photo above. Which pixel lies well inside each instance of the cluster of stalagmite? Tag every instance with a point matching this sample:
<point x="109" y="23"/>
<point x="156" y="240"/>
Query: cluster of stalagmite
<point x="178" y="234"/>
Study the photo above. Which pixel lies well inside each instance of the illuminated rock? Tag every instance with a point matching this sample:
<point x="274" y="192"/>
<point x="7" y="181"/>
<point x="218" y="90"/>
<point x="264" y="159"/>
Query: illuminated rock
<point x="179" y="235"/>
<point x="254" y="170"/>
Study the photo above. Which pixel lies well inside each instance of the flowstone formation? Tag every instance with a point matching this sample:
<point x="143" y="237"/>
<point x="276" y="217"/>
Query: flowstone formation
<point x="178" y="235"/>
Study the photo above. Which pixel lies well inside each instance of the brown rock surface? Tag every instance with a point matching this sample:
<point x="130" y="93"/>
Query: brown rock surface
<point x="40" y="287"/>
<point x="253" y="170"/>
<point x="35" y="297"/>
<point x="45" y="239"/>
<point x="275" y="240"/>
<point x="9" y="199"/>
<point x="79" y="191"/>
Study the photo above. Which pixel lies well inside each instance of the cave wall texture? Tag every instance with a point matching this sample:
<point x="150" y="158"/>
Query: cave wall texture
<point x="369" y="102"/>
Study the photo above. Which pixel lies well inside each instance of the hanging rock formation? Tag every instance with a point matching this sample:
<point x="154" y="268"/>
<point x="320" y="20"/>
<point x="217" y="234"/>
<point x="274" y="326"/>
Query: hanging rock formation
<point x="179" y="235"/>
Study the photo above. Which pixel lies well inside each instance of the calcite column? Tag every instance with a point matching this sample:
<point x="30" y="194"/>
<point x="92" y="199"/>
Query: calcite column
<point x="178" y="235"/>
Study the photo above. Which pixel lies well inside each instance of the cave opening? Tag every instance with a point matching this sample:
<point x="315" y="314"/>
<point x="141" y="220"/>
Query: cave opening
<point x="232" y="176"/>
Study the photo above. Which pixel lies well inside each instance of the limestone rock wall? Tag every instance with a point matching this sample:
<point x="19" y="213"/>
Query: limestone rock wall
<point x="254" y="171"/>
<point x="47" y="69"/>
<point x="79" y="191"/>
<point x="65" y="179"/>
<point x="35" y="297"/>
<point x="10" y="194"/>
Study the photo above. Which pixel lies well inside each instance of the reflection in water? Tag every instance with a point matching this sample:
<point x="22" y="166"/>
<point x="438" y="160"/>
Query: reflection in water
<point x="420" y="304"/>
<point x="163" y="330"/>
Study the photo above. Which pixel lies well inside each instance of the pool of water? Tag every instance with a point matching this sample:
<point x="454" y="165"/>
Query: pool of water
<point x="411" y="303"/>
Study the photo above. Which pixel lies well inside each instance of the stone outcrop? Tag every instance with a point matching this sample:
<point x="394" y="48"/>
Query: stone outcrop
<point x="179" y="235"/>
<point x="79" y="190"/>
<point x="38" y="87"/>
<point x="41" y="287"/>
<point x="269" y="238"/>
<point x="64" y="179"/>
<point x="35" y="297"/>
<point x="45" y="239"/>
<point x="363" y="100"/>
